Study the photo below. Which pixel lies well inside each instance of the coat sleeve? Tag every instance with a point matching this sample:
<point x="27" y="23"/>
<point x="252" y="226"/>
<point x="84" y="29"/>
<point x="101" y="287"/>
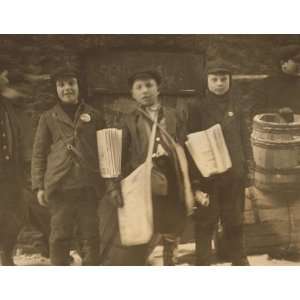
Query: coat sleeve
<point x="194" y="124"/>
<point x="41" y="147"/>
<point x="126" y="146"/>
<point x="245" y="125"/>
<point x="101" y="124"/>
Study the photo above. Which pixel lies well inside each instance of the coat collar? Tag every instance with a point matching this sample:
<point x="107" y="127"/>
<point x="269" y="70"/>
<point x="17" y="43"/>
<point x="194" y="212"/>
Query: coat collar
<point x="58" y="113"/>
<point x="168" y="114"/>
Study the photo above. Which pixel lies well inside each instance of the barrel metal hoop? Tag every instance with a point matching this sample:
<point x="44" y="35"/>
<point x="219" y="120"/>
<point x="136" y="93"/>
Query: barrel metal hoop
<point x="268" y="129"/>
<point x="282" y="187"/>
<point x="276" y="171"/>
<point x="275" y="144"/>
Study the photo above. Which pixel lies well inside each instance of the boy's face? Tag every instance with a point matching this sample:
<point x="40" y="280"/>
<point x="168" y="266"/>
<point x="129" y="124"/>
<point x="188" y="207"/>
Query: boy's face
<point x="290" y="67"/>
<point x="68" y="90"/>
<point x="218" y="84"/>
<point x="145" y="91"/>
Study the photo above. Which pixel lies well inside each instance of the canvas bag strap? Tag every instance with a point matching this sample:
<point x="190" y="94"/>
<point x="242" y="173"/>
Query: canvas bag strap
<point x="72" y="149"/>
<point x="152" y="137"/>
<point x="166" y="134"/>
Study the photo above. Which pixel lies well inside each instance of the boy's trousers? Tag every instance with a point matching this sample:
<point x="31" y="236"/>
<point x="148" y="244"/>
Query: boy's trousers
<point x="74" y="209"/>
<point x="227" y="204"/>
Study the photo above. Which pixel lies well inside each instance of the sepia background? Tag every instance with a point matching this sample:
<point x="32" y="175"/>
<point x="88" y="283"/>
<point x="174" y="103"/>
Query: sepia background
<point x="105" y="62"/>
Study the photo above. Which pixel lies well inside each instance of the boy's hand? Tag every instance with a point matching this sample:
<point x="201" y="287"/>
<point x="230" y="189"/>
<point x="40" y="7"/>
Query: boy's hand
<point x="115" y="198"/>
<point x="202" y="198"/>
<point x="113" y="192"/>
<point x="42" y="198"/>
<point x="3" y="79"/>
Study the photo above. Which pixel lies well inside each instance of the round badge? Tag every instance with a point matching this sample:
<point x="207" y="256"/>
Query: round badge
<point x="230" y="114"/>
<point x="85" y="117"/>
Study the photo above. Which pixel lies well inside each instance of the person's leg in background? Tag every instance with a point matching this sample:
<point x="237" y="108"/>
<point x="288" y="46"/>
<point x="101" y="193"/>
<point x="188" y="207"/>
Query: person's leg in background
<point x="12" y="215"/>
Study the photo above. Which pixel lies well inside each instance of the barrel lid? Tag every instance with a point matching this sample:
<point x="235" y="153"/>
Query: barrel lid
<point x="274" y="119"/>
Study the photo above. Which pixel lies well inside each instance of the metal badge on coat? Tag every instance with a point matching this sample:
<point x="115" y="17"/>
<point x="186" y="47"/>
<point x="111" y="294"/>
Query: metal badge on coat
<point x="230" y="113"/>
<point x="85" y="117"/>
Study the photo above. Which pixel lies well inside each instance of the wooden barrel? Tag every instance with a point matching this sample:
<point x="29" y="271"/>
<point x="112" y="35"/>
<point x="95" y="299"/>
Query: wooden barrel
<point x="276" y="151"/>
<point x="271" y="222"/>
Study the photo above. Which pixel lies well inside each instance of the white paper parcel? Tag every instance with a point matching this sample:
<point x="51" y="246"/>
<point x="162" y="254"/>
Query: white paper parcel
<point x="109" y="143"/>
<point x="209" y="151"/>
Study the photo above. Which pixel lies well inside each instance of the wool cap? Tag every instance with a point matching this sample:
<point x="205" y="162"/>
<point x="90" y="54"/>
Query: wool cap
<point x="218" y="66"/>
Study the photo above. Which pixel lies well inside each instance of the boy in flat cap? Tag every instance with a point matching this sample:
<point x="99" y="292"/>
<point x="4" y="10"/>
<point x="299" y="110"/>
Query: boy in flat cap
<point x="281" y="92"/>
<point x="11" y="177"/>
<point x="169" y="209"/>
<point x="226" y="191"/>
<point x="64" y="170"/>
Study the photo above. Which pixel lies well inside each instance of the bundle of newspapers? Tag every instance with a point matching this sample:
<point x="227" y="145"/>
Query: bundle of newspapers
<point x="209" y="151"/>
<point x="109" y="143"/>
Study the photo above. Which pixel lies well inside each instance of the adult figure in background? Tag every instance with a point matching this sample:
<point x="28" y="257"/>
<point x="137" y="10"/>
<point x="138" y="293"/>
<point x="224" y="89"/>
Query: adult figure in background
<point x="11" y="177"/>
<point x="281" y="91"/>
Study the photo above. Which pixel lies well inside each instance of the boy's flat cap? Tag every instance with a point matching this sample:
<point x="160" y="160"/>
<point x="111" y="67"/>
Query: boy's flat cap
<point x="287" y="52"/>
<point x="63" y="72"/>
<point x="147" y="74"/>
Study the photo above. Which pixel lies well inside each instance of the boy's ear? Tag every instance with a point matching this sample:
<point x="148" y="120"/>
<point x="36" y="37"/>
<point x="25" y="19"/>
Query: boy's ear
<point x="158" y="89"/>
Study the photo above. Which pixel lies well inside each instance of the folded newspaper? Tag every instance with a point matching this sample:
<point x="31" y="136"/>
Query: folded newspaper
<point x="109" y="143"/>
<point x="209" y="151"/>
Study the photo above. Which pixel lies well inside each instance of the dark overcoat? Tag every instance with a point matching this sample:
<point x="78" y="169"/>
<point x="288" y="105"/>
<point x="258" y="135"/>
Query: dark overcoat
<point x="206" y="113"/>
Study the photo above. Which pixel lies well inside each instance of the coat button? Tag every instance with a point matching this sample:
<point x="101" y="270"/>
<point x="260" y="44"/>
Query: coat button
<point x="3" y="135"/>
<point x="7" y="157"/>
<point x="157" y="139"/>
<point x="4" y="147"/>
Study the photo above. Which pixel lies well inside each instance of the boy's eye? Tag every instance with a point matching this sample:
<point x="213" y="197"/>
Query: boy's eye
<point x="60" y="84"/>
<point x="149" y="85"/>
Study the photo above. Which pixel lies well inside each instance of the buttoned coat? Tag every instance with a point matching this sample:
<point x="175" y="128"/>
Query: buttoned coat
<point x="14" y="139"/>
<point x="60" y="142"/>
<point x="136" y="137"/>
<point x="204" y="114"/>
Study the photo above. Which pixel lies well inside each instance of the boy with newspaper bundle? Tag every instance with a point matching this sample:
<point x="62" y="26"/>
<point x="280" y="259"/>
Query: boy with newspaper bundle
<point x="220" y="167"/>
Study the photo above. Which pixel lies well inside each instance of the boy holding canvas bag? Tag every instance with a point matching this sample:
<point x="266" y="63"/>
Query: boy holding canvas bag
<point x="149" y="133"/>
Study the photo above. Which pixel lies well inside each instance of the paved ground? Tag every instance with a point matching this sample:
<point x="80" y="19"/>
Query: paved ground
<point x="185" y="258"/>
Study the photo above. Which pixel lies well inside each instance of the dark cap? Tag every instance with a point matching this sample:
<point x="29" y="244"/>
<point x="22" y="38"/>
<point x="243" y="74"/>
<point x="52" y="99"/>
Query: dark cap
<point x="297" y="58"/>
<point x="149" y="74"/>
<point x="288" y="52"/>
<point x="218" y="66"/>
<point x="64" y="72"/>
